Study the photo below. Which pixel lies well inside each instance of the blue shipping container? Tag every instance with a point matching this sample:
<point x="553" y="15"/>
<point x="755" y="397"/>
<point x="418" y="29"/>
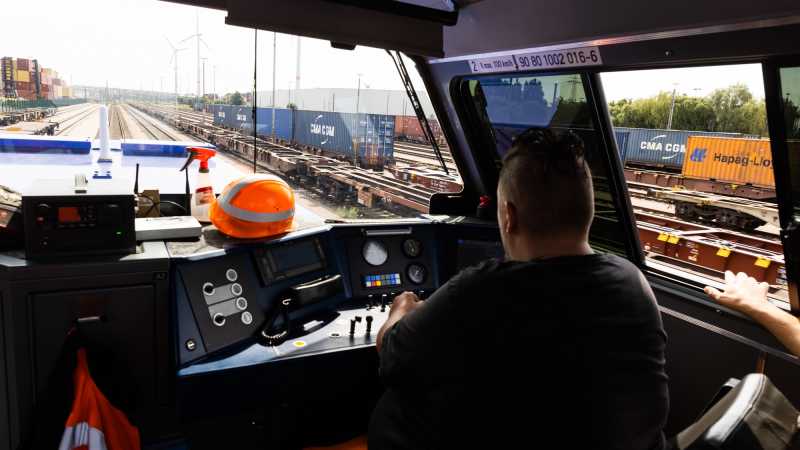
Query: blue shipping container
<point x="241" y="118"/>
<point x="372" y="135"/>
<point x="283" y="122"/>
<point x="661" y="148"/>
<point x="622" y="135"/>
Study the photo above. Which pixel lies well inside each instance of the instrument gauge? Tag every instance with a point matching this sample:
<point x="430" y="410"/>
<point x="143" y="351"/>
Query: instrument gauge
<point x="412" y="247"/>
<point x="374" y="252"/>
<point x="417" y="273"/>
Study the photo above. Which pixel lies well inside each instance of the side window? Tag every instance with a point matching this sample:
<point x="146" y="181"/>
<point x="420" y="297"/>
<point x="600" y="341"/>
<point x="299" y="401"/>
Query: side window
<point x="509" y="104"/>
<point x="790" y="102"/>
<point x="698" y="163"/>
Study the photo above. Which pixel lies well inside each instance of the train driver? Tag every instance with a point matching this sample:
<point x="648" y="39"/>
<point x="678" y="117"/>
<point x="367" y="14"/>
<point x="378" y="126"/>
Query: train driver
<point x="556" y="347"/>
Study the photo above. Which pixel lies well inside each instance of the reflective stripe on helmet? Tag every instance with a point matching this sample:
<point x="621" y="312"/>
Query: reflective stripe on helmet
<point x="224" y="201"/>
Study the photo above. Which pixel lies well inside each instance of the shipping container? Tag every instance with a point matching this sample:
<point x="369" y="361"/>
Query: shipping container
<point x="738" y="161"/>
<point x="367" y="138"/>
<point x="283" y="122"/>
<point x="23" y="64"/>
<point x="23" y="75"/>
<point x="622" y="135"/>
<point x="241" y="118"/>
<point x="408" y="128"/>
<point x="664" y="149"/>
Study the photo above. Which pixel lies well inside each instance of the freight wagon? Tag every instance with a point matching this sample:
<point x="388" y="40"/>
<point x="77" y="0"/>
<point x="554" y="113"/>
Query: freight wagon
<point x="408" y="128"/>
<point x="366" y="139"/>
<point x="660" y="149"/>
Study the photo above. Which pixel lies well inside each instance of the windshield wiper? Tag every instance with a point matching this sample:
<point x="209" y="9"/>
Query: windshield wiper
<point x="412" y="96"/>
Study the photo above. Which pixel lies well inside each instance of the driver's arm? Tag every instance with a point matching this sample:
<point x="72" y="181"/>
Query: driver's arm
<point x="748" y="296"/>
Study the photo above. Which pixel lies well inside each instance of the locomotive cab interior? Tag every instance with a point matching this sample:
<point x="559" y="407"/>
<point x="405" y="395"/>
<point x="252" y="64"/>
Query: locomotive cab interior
<point x="214" y="341"/>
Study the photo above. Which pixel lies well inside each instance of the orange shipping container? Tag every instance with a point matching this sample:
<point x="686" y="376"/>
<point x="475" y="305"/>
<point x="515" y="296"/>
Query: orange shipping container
<point x="24" y="76"/>
<point x="736" y="161"/>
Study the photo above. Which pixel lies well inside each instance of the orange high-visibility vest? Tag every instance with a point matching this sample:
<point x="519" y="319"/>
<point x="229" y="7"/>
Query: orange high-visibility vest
<point x="94" y="424"/>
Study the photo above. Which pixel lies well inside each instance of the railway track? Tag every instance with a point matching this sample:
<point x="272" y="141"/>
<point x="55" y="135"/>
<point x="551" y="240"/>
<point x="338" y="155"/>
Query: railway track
<point x="74" y="119"/>
<point x="149" y="126"/>
<point x="119" y="126"/>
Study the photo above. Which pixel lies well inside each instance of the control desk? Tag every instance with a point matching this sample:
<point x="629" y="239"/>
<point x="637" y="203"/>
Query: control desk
<point x="317" y="290"/>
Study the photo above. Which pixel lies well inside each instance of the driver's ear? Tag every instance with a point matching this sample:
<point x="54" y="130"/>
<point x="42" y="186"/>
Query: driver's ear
<point x="512" y="218"/>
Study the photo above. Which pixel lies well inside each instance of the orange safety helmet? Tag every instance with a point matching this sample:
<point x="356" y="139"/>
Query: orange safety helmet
<point x="254" y="206"/>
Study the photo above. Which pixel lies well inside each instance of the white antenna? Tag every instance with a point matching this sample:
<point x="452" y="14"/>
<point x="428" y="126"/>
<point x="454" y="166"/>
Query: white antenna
<point x="105" y="145"/>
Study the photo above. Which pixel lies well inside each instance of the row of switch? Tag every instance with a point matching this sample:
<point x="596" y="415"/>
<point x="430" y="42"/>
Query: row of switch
<point x="221" y="310"/>
<point x="375" y="301"/>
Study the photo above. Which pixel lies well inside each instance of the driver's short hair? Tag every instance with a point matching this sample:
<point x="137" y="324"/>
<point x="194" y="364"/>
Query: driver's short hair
<point x="546" y="177"/>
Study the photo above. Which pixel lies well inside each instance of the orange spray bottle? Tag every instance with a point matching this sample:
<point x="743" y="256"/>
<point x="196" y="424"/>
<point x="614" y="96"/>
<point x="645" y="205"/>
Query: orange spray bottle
<point x="204" y="190"/>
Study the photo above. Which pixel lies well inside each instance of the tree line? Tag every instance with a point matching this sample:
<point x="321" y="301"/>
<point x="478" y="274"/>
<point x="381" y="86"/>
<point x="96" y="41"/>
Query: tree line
<point x="732" y="109"/>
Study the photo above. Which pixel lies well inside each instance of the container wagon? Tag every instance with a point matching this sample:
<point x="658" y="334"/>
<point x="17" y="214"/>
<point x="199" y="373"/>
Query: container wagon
<point x="661" y="149"/>
<point x="365" y="139"/>
<point x="408" y="128"/>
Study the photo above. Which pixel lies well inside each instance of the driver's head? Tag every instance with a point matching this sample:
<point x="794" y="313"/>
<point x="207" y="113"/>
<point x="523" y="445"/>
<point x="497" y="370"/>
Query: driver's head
<point x="544" y="194"/>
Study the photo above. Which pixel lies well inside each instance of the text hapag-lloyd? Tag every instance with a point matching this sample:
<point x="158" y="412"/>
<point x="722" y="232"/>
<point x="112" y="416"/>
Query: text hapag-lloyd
<point x="743" y="161"/>
<point x="325" y="130"/>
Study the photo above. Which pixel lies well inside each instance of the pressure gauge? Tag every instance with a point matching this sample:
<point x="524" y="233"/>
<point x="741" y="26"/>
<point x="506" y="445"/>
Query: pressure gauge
<point x="417" y="273"/>
<point x="412" y="247"/>
<point x="374" y="252"/>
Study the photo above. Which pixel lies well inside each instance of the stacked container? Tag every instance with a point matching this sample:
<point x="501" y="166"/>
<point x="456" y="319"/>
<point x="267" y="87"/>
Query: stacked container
<point x="661" y="149"/>
<point x="739" y="161"/>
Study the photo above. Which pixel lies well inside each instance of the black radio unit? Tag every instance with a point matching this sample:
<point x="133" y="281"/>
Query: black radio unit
<point x="65" y="220"/>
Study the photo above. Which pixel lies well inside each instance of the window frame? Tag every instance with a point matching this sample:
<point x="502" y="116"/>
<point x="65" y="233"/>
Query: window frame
<point x="790" y="228"/>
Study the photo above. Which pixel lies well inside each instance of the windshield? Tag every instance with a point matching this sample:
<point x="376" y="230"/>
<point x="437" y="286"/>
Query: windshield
<point x="337" y="125"/>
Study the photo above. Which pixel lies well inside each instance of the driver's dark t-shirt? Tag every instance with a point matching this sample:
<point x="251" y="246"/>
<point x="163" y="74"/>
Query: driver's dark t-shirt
<point x="559" y="353"/>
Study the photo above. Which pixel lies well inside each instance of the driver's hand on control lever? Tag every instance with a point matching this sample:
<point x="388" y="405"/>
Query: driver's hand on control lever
<point x="401" y="305"/>
<point x="746" y="295"/>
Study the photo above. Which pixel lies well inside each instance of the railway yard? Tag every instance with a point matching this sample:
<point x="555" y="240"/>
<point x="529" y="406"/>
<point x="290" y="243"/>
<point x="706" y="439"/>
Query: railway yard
<point x="703" y="232"/>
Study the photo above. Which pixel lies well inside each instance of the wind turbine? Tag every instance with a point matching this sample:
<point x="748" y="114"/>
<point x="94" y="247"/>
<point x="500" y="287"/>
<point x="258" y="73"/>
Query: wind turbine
<point x="199" y="38"/>
<point x="174" y="61"/>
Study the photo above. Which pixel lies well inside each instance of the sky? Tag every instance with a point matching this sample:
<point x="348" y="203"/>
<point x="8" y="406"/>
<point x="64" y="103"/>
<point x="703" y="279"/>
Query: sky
<point x="124" y="43"/>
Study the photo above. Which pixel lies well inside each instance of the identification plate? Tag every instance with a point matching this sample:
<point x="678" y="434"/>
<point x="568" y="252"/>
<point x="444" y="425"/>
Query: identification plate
<point x="554" y="59"/>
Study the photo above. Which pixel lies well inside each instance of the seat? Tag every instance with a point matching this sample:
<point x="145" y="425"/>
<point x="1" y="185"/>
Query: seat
<point x="753" y="415"/>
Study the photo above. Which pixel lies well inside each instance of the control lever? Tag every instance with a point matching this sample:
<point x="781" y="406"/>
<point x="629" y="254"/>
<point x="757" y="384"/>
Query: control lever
<point x="275" y="331"/>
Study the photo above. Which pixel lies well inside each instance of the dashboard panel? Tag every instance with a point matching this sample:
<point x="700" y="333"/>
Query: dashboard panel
<point x="333" y="285"/>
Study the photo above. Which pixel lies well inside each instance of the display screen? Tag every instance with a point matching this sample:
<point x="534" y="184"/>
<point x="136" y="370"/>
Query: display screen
<point x="291" y="259"/>
<point x="383" y="280"/>
<point x="471" y="252"/>
<point x="293" y="256"/>
<point x="68" y="214"/>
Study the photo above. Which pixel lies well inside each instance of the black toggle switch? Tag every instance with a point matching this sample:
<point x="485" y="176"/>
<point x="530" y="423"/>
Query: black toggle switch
<point x="358" y="319"/>
<point x="352" y="327"/>
<point x="369" y="325"/>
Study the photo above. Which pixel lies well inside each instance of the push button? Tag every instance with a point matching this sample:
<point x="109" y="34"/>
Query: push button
<point x="231" y="275"/>
<point x="219" y="319"/>
<point x="236" y="289"/>
<point x="247" y="318"/>
<point x="241" y="303"/>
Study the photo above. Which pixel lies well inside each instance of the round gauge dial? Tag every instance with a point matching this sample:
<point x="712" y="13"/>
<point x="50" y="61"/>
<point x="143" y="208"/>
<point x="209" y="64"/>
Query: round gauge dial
<point x="374" y="252"/>
<point x="412" y="247"/>
<point x="417" y="273"/>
